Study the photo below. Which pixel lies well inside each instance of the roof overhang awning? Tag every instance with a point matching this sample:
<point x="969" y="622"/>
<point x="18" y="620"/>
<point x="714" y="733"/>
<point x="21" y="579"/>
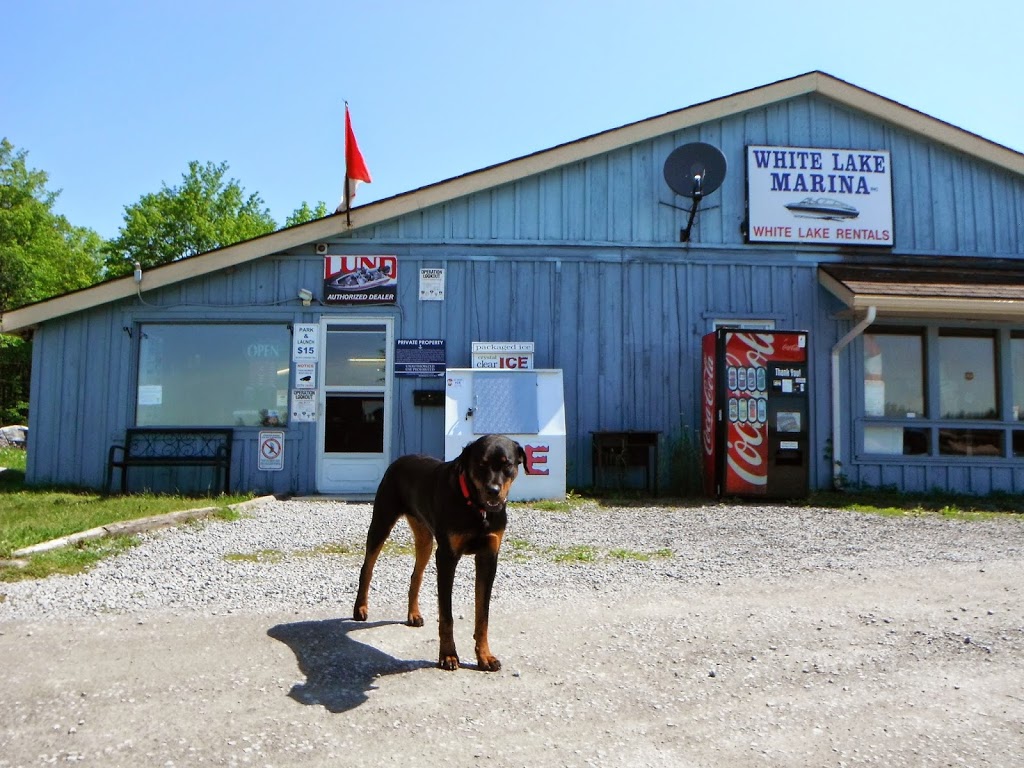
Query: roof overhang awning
<point x="972" y="289"/>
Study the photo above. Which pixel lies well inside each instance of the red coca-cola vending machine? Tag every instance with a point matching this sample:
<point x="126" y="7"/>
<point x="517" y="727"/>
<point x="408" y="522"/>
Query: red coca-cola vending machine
<point x="755" y="430"/>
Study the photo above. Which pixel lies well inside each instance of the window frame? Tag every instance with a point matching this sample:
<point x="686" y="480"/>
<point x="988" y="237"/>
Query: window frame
<point x="285" y="359"/>
<point x="932" y="429"/>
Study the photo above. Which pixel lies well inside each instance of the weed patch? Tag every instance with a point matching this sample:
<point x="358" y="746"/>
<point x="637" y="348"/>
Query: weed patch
<point x="263" y="556"/>
<point x="69" y="560"/>
<point x="578" y="554"/>
<point x="629" y="554"/>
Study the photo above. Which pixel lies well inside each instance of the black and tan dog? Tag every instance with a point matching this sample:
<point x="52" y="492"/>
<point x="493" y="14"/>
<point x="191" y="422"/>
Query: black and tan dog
<point x="461" y="505"/>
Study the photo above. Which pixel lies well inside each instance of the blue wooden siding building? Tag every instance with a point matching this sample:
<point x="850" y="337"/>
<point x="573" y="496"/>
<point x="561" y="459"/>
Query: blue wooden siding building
<point x="916" y="336"/>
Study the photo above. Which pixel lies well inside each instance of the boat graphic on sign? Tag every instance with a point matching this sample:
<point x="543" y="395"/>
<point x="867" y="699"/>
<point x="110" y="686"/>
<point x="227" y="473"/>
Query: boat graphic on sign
<point x="823" y="208"/>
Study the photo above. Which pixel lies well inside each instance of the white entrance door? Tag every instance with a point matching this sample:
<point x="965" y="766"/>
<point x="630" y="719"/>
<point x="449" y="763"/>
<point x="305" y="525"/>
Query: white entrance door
<point x="354" y="425"/>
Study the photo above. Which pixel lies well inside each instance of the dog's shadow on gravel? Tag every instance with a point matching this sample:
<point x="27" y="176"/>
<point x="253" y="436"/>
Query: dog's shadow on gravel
<point x="339" y="670"/>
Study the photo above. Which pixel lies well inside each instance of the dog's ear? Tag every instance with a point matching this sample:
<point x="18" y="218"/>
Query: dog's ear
<point x="520" y="454"/>
<point x="462" y="460"/>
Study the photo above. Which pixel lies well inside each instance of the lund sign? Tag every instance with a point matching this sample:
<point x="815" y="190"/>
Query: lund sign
<point x="360" y="279"/>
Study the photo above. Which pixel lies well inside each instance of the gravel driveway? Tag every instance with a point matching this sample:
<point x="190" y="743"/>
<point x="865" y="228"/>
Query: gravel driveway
<point x="706" y="636"/>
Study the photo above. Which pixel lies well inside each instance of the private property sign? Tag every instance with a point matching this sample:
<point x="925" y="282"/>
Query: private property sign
<point x="813" y="195"/>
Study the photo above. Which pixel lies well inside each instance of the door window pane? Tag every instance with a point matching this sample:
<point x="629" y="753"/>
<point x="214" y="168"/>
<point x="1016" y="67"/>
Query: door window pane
<point x="967" y="370"/>
<point x="354" y="424"/>
<point x="893" y="375"/>
<point x="213" y="375"/>
<point x="356" y="356"/>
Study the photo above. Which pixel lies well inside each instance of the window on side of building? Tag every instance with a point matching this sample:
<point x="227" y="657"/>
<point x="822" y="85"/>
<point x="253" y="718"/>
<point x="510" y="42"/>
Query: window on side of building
<point x="894" y="389"/>
<point x="967" y="375"/>
<point x="894" y="374"/>
<point x="967" y="391"/>
<point x="213" y="374"/>
<point x="1017" y="366"/>
<point x="943" y="392"/>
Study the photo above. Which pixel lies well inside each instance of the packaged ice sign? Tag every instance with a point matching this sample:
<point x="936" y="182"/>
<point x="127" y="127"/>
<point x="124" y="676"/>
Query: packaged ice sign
<point x="815" y="195"/>
<point x="503" y="355"/>
<point x="360" y="279"/>
<point x="527" y="406"/>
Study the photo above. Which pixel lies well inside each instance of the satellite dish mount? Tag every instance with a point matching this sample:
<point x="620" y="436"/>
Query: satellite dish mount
<point x="695" y="171"/>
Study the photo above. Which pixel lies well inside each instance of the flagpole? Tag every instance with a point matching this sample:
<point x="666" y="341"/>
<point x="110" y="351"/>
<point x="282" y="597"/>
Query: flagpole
<point x="345" y="197"/>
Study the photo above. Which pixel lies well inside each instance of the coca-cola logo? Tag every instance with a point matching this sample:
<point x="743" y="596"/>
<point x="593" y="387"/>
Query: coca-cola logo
<point x="709" y="405"/>
<point x="749" y="349"/>
<point x="746" y="454"/>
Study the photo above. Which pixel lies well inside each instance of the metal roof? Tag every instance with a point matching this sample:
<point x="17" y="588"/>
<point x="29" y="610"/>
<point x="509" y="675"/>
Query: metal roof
<point x="963" y="289"/>
<point x="24" y="318"/>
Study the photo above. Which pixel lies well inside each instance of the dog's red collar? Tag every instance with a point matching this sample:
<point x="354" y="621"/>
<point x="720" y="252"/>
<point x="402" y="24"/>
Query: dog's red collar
<point x="465" y="494"/>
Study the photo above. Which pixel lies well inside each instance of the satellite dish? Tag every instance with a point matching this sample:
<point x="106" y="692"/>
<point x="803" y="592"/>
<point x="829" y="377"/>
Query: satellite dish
<point x="694" y="170"/>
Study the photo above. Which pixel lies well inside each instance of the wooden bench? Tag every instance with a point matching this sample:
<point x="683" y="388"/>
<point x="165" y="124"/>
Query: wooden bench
<point x="172" y="447"/>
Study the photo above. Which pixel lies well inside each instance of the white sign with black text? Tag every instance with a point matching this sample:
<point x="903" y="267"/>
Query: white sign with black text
<point x="431" y="284"/>
<point x="306" y="342"/>
<point x="303" y="405"/>
<point x="305" y="375"/>
<point x="508" y="355"/>
<point x="814" y="195"/>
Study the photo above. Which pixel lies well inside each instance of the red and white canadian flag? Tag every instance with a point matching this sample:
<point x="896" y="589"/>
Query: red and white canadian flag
<point x="355" y="165"/>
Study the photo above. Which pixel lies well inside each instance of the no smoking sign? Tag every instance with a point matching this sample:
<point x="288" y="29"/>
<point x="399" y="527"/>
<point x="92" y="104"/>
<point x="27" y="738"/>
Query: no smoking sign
<point x="271" y="457"/>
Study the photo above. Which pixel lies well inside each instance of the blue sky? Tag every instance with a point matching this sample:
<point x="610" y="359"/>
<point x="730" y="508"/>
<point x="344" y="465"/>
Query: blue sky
<point x="113" y="99"/>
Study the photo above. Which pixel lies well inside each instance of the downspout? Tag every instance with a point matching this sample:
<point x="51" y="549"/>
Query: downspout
<point x="857" y="330"/>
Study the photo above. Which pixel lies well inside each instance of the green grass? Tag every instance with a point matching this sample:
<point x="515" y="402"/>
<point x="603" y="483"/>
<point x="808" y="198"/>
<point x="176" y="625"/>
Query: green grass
<point x="276" y="555"/>
<point x="938" y="503"/>
<point x="572" y="501"/>
<point x="32" y="515"/>
<point x="13" y="458"/>
<point x="628" y="554"/>
<point x="69" y="560"/>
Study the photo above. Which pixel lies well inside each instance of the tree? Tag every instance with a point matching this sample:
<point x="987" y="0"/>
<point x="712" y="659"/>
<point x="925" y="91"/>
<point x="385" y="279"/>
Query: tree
<point x="41" y="253"/>
<point x="305" y="213"/>
<point x="204" y="213"/>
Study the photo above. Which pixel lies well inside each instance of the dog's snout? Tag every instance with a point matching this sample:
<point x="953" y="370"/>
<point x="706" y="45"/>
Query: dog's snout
<point x="493" y="490"/>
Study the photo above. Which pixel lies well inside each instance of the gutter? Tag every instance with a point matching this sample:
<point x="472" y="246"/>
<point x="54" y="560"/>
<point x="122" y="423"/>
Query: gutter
<point x="837" y="456"/>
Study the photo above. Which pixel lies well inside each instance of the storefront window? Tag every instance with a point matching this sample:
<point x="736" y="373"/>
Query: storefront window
<point x="973" y="375"/>
<point x="213" y="374"/>
<point x="1017" y="364"/>
<point x="967" y="375"/>
<point x="893" y="375"/>
<point x="970" y="442"/>
<point x="904" y="441"/>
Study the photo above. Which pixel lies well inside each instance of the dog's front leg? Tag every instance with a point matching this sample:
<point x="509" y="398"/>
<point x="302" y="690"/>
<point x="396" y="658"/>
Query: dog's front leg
<point x="486" y="568"/>
<point x="446" y="560"/>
